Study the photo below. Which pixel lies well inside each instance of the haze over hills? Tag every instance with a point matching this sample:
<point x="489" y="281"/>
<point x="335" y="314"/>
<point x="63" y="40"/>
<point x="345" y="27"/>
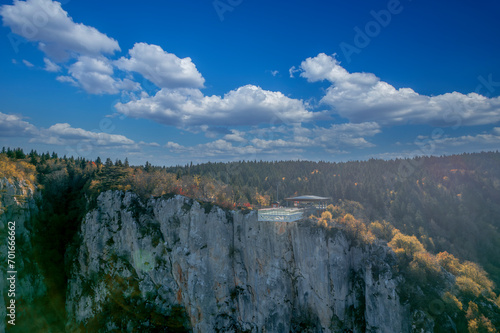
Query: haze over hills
<point x="432" y="221"/>
<point x="451" y="203"/>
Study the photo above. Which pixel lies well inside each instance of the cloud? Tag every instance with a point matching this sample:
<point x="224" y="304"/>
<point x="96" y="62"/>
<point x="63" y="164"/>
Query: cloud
<point x="247" y="105"/>
<point x="362" y="97"/>
<point x="274" y="72"/>
<point x="50" y="66"/>
<point x="164" y="69"/>
<point x="45" y="22"/>
<point x="292" y="71"/>
<point x="61" y="39"/>
<point x="235" y="136"/>
<point x="278" y="143"/>
<point x="439" y="144"/>
<point x="284" y="140"/>
<point x="210" y="131"/>
<point x="27" y="63"/>
<point x="14" y="126"/>
<point x="150" y="144"/>
<point x="484" y="140"/>
<point x="94" y="75"/>
<point x="60" y="134"/>
<point x="345" y="135"/>
<point x="215" y="148"/>
<point x="63" y="133"/>
<point x="66" y="79"/>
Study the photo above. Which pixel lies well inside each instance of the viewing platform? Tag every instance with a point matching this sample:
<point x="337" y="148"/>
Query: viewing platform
<point x="280" y="214"/>
<point x="303" y="205"/>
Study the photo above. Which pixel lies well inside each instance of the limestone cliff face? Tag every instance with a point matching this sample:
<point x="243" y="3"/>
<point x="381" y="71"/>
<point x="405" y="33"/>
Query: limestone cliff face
<point x="17" y="205"/>
<point x="174" y="263"/>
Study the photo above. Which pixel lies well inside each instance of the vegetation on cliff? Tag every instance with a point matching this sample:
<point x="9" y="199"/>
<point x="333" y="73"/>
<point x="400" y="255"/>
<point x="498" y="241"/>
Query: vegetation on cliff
<point x="440" y="215"/>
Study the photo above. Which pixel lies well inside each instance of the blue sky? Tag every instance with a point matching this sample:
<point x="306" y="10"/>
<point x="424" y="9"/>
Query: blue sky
<point x="177" y="81"/>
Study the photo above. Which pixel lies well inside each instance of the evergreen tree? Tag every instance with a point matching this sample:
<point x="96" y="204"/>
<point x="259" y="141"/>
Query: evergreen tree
<point x="10" y="153"/>
<point x="33" y="160"/>
<point x="19" y="154"/>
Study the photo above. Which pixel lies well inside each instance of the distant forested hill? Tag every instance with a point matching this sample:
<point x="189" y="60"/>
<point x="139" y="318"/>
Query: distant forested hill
<point x="451" y="203"/>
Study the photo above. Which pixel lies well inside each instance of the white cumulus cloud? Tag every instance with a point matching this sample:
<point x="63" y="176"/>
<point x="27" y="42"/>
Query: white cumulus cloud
<point x="164" y="69"/>
<point x="13" y="125"/>
<point x="362" y="97"/>
<point x="247" y="105"/>
<point x="63" y="133"/>
<point x="95" y="76"/>
<point x="60" y="134"/>
<point x="44" y="21"/>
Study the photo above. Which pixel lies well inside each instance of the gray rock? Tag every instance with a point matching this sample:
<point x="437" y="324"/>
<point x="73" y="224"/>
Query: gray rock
<point x="17" y="205"/>
<point x="168" y="259"/>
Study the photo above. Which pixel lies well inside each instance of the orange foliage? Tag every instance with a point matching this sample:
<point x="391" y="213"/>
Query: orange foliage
<point x="17" y="170"/>
<point x="449" y="262"/>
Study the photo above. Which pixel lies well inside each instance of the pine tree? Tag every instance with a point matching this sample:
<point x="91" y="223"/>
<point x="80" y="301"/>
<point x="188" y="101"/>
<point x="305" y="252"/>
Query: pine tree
<point x="10" y="153"/>
<point x="19" y="154"/>
<point x="33" y="160"/>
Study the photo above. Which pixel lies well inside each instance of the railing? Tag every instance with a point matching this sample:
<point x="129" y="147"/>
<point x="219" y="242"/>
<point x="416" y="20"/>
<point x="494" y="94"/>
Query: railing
<point x="279" y="214"/>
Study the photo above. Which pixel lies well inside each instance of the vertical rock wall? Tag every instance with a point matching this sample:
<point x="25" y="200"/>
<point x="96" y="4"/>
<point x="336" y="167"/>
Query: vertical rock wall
<point x="17" y="205"/>
<point x="175" y="263"/>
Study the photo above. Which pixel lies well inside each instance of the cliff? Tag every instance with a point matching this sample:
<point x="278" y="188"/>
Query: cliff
<point x="174" y="263"/>
<point x="93" y="260"/>
<point x="17" y="204"/>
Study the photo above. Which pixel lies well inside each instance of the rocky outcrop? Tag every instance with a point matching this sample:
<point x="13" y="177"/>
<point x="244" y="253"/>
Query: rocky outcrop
<point x="17" y="205"/>
<point x="173" y="262"/>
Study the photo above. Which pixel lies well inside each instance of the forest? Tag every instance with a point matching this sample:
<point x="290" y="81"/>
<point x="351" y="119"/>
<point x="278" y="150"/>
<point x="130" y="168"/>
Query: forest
<point x="440" y="215"/>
